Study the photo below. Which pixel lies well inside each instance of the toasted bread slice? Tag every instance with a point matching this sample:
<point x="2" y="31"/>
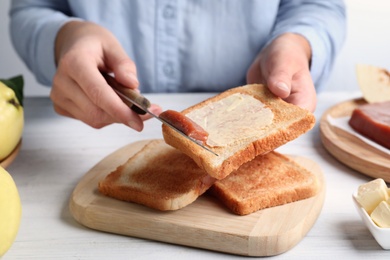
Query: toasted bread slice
<point x="250" y="105"/>
<point x="158" y="176"/>
<point x="268" y="180"/>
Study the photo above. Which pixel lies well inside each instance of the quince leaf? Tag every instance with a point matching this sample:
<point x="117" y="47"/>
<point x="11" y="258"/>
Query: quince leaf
<point x="16" y="84"/>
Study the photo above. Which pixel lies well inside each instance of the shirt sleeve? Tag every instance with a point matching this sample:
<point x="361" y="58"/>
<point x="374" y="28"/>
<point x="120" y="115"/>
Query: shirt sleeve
<point x="322" y="23"/>
<point x="33" y="28"/>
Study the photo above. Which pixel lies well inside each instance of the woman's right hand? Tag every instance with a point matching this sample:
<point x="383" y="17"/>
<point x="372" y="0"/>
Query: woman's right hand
<point x="83" y="50"/>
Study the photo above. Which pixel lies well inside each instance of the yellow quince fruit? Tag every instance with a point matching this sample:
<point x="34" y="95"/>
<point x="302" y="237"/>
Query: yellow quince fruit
<point x="10" y="211"/>
<point x="11" y="121"/>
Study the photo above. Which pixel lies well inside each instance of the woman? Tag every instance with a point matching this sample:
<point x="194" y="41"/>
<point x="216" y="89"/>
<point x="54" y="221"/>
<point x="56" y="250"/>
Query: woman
<point x="174" y="46"/>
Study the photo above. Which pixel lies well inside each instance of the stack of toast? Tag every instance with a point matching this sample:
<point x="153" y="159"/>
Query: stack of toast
<point x="245" y="125"/>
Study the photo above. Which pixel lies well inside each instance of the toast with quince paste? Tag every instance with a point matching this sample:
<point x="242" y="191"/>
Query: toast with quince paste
<point x="242" y="123"/>
<point x="158" y="176"/>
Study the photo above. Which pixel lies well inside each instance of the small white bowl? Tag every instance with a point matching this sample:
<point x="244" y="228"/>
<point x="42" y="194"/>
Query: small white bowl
<point x="381" y="235"/>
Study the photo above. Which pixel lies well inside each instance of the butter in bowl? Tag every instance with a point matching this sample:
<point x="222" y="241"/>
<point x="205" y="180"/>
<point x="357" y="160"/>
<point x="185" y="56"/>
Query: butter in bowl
<point x="372" y="201"/>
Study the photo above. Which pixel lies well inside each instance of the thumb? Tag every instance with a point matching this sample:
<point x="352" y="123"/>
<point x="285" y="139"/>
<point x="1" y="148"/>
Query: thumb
<point x="279" y="82"/>
<point x="123" y="67"/>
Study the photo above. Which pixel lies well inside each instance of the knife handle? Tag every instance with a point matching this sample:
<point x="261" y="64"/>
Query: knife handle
<point x="130" y="93"/>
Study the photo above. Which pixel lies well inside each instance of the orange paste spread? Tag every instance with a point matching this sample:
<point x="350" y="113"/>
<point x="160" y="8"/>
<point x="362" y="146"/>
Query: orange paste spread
<point x="185" y="125"/>
<point x="233" y="118"/>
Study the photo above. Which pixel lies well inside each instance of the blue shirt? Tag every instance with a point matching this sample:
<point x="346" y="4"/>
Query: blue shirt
<point x="183" y="45"/>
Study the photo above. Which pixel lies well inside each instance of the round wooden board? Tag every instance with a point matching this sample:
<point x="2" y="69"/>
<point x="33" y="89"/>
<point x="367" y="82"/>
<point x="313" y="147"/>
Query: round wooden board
<point x="10" y="158"/>
<point x="205" y="223"/>
<point x="349" y="149"/>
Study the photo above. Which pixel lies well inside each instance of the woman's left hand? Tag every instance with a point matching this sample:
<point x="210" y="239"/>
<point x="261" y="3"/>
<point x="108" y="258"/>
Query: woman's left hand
<point x="284" y="66"/>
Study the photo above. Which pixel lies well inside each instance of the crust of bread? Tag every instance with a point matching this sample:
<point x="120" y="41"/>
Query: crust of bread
<point x="267" y="181"/>
<point x="158" y="176"/>
<point x="289" y="122"/>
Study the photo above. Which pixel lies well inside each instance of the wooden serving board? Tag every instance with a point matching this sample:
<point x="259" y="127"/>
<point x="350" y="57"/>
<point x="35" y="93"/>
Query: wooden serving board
<point x="11" y="157"/>
<point x="206" y="223"/>
<point x="349" y="149"/>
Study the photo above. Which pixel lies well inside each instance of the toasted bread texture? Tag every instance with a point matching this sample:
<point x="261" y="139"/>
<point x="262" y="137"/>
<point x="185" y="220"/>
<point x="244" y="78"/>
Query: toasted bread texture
<point x="289" y="122"/>
<point x="158" y="176"/>
<point x="268" y="180"/>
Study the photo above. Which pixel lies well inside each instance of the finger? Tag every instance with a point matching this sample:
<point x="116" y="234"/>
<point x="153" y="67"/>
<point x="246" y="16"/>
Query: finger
<point x="287" y="56"/>
<point x="303" y="92"/>
<point x="123" y="67"/>
<point x="59" y="110"/>
<point x="93" y="84"/>
<point x="254" y="74"/>
<point x="279" y="79"/>
<point x="303" y="101"/>
<point x="78" y="105"/>
<point x="61" y="103"/>
<point x="155" y="109"/>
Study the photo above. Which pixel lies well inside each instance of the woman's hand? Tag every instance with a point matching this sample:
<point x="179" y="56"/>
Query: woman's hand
<point x="82" y="51"/>
<point x="284" y="67"/>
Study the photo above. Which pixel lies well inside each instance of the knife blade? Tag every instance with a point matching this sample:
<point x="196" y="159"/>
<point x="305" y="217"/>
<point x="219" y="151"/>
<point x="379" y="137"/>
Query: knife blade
<point x="141" y="105"/>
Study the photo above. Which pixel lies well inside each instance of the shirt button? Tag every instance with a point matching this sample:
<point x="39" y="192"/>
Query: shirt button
<point x="168" y="69"/>
<point x="169" y="12"/>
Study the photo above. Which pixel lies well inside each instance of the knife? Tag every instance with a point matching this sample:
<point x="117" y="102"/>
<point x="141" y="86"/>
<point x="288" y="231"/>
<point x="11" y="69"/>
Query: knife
<point x="141" y="105"/>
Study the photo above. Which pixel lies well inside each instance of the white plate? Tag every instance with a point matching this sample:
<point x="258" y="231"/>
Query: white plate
<point x="381" y="235"/>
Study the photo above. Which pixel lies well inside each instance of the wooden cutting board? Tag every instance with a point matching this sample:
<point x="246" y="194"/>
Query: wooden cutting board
<point x="349" y="149"/>
<point x="206" y="223"/>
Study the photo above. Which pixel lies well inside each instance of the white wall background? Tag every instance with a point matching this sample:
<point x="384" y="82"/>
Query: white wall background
<point x="368" y="41"/>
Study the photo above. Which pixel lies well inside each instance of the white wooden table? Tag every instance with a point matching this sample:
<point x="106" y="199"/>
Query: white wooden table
<point x="58" y="151"/>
